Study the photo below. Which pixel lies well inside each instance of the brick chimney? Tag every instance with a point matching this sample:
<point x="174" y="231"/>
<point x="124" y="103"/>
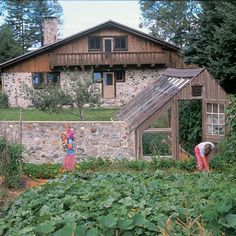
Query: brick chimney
<point x="49" y="30"/>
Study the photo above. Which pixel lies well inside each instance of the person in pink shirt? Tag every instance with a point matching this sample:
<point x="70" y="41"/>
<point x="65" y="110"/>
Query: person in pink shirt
<point x="69" y="132"/>
<point x="202" y="152"/>
<point x="69" y="147"/>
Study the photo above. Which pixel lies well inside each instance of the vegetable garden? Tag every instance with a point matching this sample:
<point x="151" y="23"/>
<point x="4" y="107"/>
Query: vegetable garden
<point x="126" y="198"/>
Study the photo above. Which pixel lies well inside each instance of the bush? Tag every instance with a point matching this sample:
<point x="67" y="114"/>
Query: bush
<point x="226" y="156"/>
<point x="3" y="100"/>
<point x="42" y="171"/>
<point x="49" y="99"/>
<point x="10" y="162"/>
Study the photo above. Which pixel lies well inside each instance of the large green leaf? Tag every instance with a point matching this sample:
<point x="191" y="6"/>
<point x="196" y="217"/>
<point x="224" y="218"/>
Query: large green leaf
<point x="229" y="221"/>
<point x="66" y="230"/>
<point x="80" y="230"/>
<point x="92" y="232"/>
<point x="108" y="221"/>
<point x="139" y="219"/>
<point x="44" y="228"/>
<point x="125" y="224"/>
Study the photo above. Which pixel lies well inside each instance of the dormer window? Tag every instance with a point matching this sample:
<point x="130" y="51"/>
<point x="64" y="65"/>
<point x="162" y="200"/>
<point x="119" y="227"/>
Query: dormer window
<point x="94" y="43"/>
<point x="120" y="43"/>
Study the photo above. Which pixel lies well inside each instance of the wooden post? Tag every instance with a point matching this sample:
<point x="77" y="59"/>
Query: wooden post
<point x="175" y="128"/>
<point x="139" y="144"/>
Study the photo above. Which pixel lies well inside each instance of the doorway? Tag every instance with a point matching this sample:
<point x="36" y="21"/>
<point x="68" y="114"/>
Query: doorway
<point x="108" y="85"/>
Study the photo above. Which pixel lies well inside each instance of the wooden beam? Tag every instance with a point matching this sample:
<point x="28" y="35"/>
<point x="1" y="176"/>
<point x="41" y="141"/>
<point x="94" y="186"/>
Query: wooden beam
<point x="157" y="130"/>
<point x="175" y="128"/>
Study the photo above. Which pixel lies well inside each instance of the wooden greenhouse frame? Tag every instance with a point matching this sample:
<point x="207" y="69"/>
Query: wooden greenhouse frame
<point x="170" y="87"/>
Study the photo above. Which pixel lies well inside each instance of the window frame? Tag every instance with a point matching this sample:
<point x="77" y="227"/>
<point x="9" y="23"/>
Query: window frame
<point x="193" y="90"/>
<point x="44" y="80"/>
<point x="120" y="48"/>
<point x="215" y="119"/>
<point x="123" y="76"/>
<point x="89" y="43"/>
<point x="100" y="80"/>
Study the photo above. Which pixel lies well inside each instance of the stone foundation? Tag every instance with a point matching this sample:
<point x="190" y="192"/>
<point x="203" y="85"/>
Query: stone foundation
<point x="135" y="81"/>
<point x="42" y="143"/>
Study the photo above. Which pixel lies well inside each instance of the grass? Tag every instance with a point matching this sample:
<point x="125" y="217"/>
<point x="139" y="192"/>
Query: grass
<point x="13" y="114"/>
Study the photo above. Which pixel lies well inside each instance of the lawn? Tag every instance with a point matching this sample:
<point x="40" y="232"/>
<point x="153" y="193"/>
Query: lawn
<point x="13" y="114"/>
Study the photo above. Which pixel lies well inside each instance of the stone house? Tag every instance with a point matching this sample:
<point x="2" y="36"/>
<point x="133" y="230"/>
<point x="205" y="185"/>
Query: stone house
<point x="120" y="60"/>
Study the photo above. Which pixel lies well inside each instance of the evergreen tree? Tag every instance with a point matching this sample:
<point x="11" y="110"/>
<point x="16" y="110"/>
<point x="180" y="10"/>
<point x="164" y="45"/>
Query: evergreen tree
<point x="25" y="18"/>
<point x="9" y="48"/>
<point x="213" y="45"/>
<point x="170" y="20"/>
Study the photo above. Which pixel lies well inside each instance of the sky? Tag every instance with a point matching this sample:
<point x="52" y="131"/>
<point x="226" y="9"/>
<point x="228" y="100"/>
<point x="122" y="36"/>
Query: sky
<point x="81" y="15"/>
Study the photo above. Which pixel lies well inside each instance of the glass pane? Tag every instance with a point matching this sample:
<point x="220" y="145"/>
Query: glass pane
<point x="221" y="130"/>
<point x="209" y="129"/>
<point x="97" y="76"/>
<point x="221" y="108"/>
<point x="157" y="144"/>
<point x="215" y="129"/>
<point x="209" y="119"/>
<point x="52" y="78"/>
<point x="221" y="119"/>
<point x="209" y="107"/>
<point x="215" y="108"/>
<point x="109" y="80"/>
<point x="215" y="119"/>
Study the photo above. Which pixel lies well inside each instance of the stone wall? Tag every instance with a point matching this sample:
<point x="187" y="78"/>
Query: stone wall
<point x="42" y="143"/>
<point x="135" y="81"/>
<point x="13" y="86"/>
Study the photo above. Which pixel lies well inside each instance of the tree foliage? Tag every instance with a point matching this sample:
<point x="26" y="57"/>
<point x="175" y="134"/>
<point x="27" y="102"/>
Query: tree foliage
<point x="170" y="20"/>
<point x="84" y="92"/>
<point x="25" y="18"/>
<point x="213" y="45"/>
<point x="9" y="47"/>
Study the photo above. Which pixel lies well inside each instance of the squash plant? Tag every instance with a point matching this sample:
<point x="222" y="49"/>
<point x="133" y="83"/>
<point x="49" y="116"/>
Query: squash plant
<point x="124" y="204"/>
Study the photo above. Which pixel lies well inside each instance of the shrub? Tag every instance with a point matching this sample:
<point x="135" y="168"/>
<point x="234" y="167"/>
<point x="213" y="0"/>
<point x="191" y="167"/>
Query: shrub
<point x="226" y="156"/>
<point x="3" y="100"/>
<point x="42" y="171"/>
<point x="10" y="162"/>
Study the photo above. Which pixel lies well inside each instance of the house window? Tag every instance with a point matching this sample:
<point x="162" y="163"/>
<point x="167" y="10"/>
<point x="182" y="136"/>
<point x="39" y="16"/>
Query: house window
<point x="215" y="119"/>
<point x="121" y="43"/>
<point x="53" y="78"/>
<point x="97" y="77"/>
<point x="120" y="76"/>
<point x="40" y="80"/>
<point x="94" y="43"/>
<point x="197" y="91"/>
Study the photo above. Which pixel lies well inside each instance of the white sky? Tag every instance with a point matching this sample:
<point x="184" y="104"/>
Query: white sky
<point x="81" y="15"/>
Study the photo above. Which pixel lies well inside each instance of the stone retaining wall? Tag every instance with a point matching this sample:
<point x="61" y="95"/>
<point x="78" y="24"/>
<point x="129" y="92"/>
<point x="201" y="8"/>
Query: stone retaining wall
<point x="42" y="143"/>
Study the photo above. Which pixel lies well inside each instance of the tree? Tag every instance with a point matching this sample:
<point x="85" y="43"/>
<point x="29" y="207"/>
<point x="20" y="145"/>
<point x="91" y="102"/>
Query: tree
<point x="9" y="48"/>
<point x="213" y="45"/>
<point x="170" y="20"/>
<point x="25" y="18"/>
<point x="84" y="91"/>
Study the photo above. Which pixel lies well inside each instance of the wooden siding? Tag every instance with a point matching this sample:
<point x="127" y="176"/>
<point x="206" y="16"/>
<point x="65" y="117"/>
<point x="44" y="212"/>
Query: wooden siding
<point x="38" y="63"/>
<point x="211" y="88"/>
<point x="115" y="58"/>
<point x="135" y="44"/>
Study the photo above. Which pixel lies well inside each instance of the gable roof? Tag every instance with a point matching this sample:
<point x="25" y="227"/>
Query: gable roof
<point x="73" y="37"/>
<point x="156" y="95"/>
